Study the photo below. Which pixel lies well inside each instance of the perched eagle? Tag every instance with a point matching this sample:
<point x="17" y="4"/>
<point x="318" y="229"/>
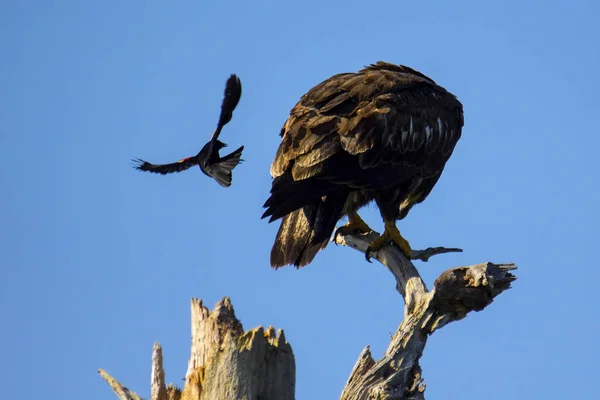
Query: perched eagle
<point x="384" y="134"/>
<point x="208" y="158"/>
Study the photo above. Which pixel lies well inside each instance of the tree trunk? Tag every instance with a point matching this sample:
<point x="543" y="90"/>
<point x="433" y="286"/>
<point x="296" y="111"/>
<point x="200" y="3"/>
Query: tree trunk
<point x="227" y="363"/>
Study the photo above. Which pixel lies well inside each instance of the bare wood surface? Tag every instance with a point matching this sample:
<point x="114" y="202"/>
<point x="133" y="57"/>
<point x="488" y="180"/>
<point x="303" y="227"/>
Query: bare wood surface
<point x="425" y="255"/>
<point x="226" y="362"/>
<point x="121" y="391"/>
<point x="408" y="281"/>
<point x="158" y="390"/>
<point x="456" y="292"/>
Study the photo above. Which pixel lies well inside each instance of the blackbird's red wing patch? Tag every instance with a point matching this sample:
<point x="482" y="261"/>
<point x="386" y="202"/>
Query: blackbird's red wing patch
<point x="181" y="165"/>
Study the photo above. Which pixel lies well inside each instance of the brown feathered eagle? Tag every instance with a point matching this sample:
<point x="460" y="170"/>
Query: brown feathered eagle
<point x="208" y="158"/>
<point x="384" y="133"/>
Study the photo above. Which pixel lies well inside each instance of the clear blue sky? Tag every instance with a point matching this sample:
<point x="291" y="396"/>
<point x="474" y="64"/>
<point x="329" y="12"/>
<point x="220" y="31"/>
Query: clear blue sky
<point x="99" y="261"/>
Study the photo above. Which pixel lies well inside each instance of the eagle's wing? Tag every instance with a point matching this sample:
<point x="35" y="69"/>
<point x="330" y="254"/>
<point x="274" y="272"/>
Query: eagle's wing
<point x="164" y="169"/>
<point x="374" y="130"/>
<point x="370" y="129"/>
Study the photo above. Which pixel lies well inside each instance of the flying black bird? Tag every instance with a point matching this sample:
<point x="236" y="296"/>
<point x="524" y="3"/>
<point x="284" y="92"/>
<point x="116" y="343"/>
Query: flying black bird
<point x="208" y="158"/>
<point x="384" y="133"/>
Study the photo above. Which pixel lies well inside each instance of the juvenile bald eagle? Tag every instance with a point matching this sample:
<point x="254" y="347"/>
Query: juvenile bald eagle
<point x="208" y="159"/>
<point x="384" y="133"/>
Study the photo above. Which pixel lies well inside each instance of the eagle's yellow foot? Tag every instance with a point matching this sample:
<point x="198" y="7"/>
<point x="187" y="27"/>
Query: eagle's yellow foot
<point x="391" y="234"/>
<point x="355" y="225"/>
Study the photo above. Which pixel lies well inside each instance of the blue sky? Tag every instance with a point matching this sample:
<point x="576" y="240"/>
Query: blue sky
<point x="99" y="261"/>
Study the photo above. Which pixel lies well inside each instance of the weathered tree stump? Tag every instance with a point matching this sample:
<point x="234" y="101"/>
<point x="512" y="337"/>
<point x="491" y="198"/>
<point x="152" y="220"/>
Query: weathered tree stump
<point x="227" y="363"/>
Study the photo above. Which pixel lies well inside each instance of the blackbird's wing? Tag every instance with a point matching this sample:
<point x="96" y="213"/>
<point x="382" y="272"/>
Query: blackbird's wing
<point x="164" y="169"/>
<point x="232" y="95"/>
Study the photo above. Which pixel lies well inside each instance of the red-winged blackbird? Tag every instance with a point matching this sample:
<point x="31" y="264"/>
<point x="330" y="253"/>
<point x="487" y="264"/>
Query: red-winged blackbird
<point x="208" y="159"/>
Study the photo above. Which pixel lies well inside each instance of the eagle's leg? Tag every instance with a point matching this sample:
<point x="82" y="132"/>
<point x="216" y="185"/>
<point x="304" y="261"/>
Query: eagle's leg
<point x="390" y="234"/>
<point x="355" y="225"/>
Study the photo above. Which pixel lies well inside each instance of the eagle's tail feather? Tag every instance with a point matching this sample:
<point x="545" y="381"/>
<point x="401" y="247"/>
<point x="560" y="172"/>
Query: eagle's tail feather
<point x="287" y="197"/>
<point x="307" y="230"/>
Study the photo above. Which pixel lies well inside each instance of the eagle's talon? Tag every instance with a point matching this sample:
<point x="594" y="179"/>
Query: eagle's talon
<point x="390" y="235"/>
<point x="355" y="225"/>
<point x="368" y="254"/>
<point x="335" y="235"/>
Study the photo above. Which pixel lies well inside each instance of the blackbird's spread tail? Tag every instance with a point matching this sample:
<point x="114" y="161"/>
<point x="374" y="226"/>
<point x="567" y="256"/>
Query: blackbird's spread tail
<point x="307" y="230"/>
<point x="223" y="167"/>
